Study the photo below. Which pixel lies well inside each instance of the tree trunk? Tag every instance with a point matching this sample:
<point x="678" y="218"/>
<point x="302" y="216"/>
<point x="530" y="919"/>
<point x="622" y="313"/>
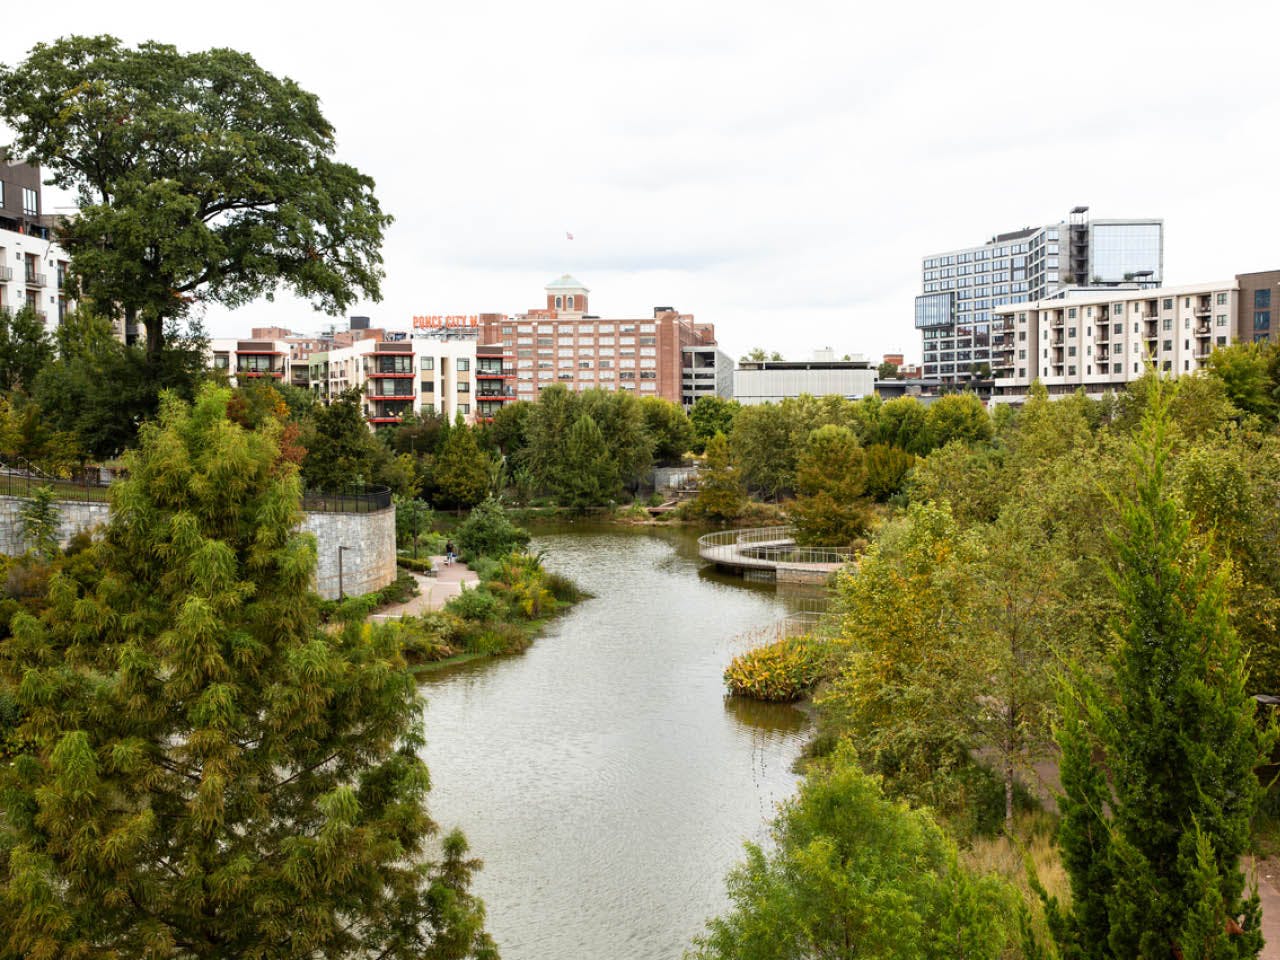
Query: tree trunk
<point x="1010" y="719"/>
<point x="155" y="338"/>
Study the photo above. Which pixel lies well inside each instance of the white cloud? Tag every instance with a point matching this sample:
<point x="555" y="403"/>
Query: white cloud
<point x="776" y="170"/>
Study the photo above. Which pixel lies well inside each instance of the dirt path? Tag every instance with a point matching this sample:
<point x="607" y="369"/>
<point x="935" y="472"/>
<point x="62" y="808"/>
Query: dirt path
<point x="433" y="592"/>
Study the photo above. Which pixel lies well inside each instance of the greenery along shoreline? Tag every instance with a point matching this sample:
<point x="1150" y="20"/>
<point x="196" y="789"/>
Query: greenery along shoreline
<point x="516" y="598"/>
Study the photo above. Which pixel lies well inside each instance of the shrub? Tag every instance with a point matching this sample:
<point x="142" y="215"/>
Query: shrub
<point x="420" y="565"/>
<point x="496" y="639"/>
<point x="486" y="568"/>
<point x="398" y="590"/>
<point x="476" y="605"/>
<point x="488" y="531"/>
<point x="562" y="588"/>
<point x="779" y="672"/>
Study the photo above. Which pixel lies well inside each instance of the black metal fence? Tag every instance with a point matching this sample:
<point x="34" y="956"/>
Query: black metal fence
<point x="20" y="479"/>
<point x="354" y="499"/>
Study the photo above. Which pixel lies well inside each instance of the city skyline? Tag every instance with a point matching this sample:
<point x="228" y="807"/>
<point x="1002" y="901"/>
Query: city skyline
<point x="778" y="176"/>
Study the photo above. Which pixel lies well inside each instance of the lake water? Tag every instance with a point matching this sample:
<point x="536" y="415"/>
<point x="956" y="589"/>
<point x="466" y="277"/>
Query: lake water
<point x="603" y="776"/>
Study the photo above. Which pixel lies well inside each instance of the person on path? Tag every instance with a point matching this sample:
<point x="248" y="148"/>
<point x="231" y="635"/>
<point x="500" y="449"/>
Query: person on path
<point x="448" y="553"/>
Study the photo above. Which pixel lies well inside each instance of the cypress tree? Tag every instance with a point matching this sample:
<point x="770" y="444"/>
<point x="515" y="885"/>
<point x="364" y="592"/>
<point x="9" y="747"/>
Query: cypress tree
<point x="721" y="492"/>
<point x="199" y="769"/>
<point x="591" y="472"/>
<point x="1158" y="771"/>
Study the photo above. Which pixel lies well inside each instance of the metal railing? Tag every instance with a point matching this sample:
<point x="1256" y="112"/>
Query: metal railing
<point x="18" y="478"/>
<point x="767" y="548"/>
<point x="353" y="499"/>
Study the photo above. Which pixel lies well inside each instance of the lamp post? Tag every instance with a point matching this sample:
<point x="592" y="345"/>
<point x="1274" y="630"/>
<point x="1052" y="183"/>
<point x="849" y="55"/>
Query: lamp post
<point x="341" y="593"/>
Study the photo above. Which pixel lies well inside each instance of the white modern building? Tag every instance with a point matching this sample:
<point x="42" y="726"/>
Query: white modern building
<point x="245" y="360"/>
<point x="771" y="381"/>
<point x="1099" y="340"/>
<point x="423" y="374"/>
<point x="962" y="290"/>
<point x="33" y="268"/>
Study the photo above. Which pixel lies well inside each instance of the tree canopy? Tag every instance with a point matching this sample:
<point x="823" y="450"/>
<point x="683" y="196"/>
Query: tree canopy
<point x="199" y="768"/>
<point x="200" y="177"/>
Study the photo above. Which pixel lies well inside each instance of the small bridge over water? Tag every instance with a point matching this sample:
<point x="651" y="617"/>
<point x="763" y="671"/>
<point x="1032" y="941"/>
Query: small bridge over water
<point x="772" y="552"/>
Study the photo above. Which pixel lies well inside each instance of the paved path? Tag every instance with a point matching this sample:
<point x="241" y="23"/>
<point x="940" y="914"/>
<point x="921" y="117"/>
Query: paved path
<point x="1267" y="873"/>
<point x="433" y="592"/>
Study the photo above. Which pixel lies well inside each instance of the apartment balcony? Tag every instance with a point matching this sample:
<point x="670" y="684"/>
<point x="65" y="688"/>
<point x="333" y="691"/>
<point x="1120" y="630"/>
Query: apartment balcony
<point x="6" y="274"/>
<point x="277" y="374"/>
<point x="1204" y="330"/>
<point x="406" y="374"/>
<point x="391" y="396"/>
<point x="500" y="396"/>
<point x="1203" y="310"/>
<point x="36" y="279"/>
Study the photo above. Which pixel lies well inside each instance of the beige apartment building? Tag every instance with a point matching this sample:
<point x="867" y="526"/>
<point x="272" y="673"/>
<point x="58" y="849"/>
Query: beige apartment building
<point x="1100" y="339"/>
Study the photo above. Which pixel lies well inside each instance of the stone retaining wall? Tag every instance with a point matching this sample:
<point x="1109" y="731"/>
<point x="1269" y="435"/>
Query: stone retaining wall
<point x="368" y="539"/>
<point x="75" y="515"/>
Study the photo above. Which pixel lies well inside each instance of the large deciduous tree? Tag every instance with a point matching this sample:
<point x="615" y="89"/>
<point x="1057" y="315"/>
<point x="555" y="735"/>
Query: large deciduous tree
<point x="200" y="177"/>
<point x="200" y="770"/>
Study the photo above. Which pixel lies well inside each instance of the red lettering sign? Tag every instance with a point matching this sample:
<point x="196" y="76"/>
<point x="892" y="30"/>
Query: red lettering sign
<point x="435" y="321"/>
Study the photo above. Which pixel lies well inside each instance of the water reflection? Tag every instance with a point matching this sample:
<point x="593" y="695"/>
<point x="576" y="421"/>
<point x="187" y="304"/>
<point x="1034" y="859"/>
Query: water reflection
<point x="602" y="775"/>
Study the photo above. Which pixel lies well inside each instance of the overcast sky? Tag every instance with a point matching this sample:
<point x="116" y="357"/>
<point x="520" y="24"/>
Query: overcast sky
<point x="776" y="169"/>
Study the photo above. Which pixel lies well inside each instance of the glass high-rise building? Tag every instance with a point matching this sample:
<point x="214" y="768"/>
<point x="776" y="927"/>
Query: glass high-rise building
<point x="961" y="288"/>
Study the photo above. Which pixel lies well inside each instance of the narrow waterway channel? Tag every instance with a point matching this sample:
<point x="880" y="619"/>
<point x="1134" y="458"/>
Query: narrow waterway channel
<point x="602" y="776"/>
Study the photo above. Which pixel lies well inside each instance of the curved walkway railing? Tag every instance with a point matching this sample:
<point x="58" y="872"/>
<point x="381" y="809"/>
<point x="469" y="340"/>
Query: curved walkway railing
<point x="769" y="548"/>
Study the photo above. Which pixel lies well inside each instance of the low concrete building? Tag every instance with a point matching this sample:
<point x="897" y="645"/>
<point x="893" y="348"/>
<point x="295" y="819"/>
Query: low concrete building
<point x="771" y="381"/>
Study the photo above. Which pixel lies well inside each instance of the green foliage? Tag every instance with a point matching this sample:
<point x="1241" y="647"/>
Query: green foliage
<point x="489" y="532"/>
<point x="668" y="428"/>
<point x="461" y="474"/>
<point x="780" y="672"/>
<point x="200" y="763"/>
<point x="413" y="523"/>
<point x="39" y="519"/>
<point x="200" y="177"/>
<point x="887" y="470"/>
<point x="957" y="416"/>
<point x="341" y="450"/>
<point x="721" y="493"/>
<point x="903" y="424"/>
<point x="709" y="416"/>
<point x="761" y="444"/>
<point x="1158" y="770"/>
<point x="831" y="479"/>
<point x="547" y="437"/>
<point x="591" y="472"/>
<point x="909" y="690"/>
<point x="99" y="391"/>
<point x="476" y="604"/>
<point x="25" y="348"/>
<point x="887" y="371"/>
<point x="1245" y="370"/>
<point x="622" y="424"/>
<point x="853" y="874"/>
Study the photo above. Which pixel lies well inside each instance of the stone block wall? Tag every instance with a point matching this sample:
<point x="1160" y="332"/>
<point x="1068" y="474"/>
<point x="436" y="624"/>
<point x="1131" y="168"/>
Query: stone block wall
<point x="369" y="539"/>
<point x="368" y="557"/>
<point x="75" y="515"/>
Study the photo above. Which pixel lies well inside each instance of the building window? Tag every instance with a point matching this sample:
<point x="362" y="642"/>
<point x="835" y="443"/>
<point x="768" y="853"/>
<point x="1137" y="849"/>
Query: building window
<point x="1261" y="299"/>
<point x="30" y="202"/>
<point x="1222" y="320"/>
<point x="463" y="364"/>
<point x="464" y="387"/>
<point x="1222" y="299"/>
<point x="1262" y="320"/>
<point x="568" y="302"/>
<point x="1168" y="323"/>
<point x="427" y="363"/>
<point x="428" y="386"/>
<point x="557" y="303"/>
<point x="464" y="408"/>
<point x="1117" y="328"/>
<point x="1168" y="303"/>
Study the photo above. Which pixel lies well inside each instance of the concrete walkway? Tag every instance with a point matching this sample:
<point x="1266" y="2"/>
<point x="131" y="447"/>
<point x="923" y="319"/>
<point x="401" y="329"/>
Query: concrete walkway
<point x="433" y="592"/>
<point x="1267" y="873"/>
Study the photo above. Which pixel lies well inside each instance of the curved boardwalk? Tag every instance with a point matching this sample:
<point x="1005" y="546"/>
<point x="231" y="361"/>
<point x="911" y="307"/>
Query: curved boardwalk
<point x="771" y="550"/>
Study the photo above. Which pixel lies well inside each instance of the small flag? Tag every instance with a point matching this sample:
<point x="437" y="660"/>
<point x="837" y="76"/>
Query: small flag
<point x="568" y="235"/>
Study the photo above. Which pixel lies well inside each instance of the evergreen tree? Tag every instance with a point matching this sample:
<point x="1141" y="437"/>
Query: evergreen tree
<point x="461" y="471"/>
<point x="201" y="770"/>
<point x="1157" y="852"/>
<point x="546" y="436"/>
<point x="709" y="416"/>
<point x="721" y="493"/>
<point x="39" y="520"/>
<point x="591" y="472"/>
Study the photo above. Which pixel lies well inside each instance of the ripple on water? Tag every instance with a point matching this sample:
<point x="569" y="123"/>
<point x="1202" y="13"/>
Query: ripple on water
<point x="602" y="775"/>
